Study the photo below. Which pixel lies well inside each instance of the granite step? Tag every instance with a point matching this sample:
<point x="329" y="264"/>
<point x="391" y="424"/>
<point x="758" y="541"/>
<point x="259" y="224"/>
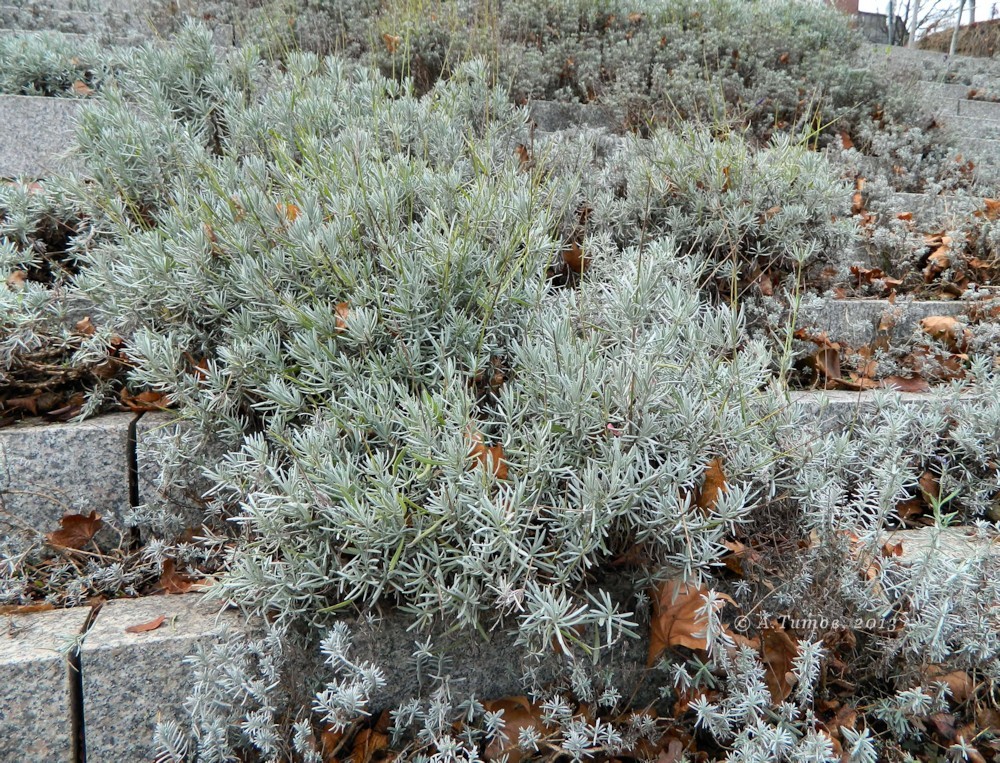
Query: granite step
<point x="69" y="39"/>
<point x="48" y="470"/>
<point x="854" y="322"/>
<point x="985" y="151"/>
<point x="39" y="701"/>
<point x="927" y="65"/>
<point x="117" y="21"/>
<point x="934" y="212"/>
<point x="79" y="674"/>
<point x="106" y="464"/>
<point x="838" y="411"/>
<point x="979" y="109"/>
<point x="37" y="136"/>
<point x="130" y="681"/>
<point x="975" y="128"/>
<point x="125" y="682"/>
<point x="944" y="90"/>
<point x="33" y="19"/>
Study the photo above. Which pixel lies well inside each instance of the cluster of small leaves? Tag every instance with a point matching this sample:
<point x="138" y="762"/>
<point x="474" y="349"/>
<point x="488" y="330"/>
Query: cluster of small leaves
<point x="756" y="215"/>
<point x="325" y="243"/>
<point x="347" y="292"/>
<point x="45" y="230"/>
<point x="43" y="64"/>
<point x="778" y="66"/>
<point x="236" y="701"/>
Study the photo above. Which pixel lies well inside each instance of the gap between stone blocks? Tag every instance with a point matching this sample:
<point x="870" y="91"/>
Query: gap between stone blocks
<point x="74" y="665"/>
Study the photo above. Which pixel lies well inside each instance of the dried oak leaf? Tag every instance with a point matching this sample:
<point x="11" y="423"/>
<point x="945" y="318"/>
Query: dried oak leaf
<point x="738" y="553"/>
<point x="80" y="88"/>
<point x="152" y="625"/>
<point x="289" y="211"/>
<point x="930" y="487"/>
<point x="391" y="41"/>
<point x="144" y="401"/>
<point x="27" y="404"/>
<point x="17" y="280"/>
<point x="367" y="745"/>
<point x="990" y="210"/>
<point x="524" y="157"/>
<point x="343" y="312"/>
<point x="909" y="510"/>
<point x="947" y="329"/>
<point x="574" y="257"/>
<point x="826" y="363"/>
<point x="488" y="456"/>
<point x="676" y="621"/>
<point x="85" y="326"/>
<point x="960" y="685"/>
<point x="518" y="713"/>
<point x="672" y="752"/>
<point x="903" y="384"/>
<point x="171" y="581"/>
<point x="26" y="609"/>
<point x="713" y="487"/>
<point x="778" y="651"/>
<point x="938" y="261"/>
<point x="75" y="530"/>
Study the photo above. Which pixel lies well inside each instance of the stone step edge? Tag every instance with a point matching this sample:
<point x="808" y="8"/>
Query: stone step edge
<point x="855" y="321"/>
<point x="111" y="469"/>
<point x="127" y="681"/>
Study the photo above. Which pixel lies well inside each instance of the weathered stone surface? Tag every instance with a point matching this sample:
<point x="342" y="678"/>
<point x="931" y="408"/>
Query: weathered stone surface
<point x="39" y="17"/>
<point x="935" y="211"/>
<point x="979" y="109"/>
<point x="48" y="470"/>
<point x="930" y="65"/>
<point x="944" y="90"/>
<point x="983" y="150"/>
<point x="65" y="38"/>
<point x="130" y="680"/>
<point x="953" y="542"/>
<point x="35" y="674"/>
<point x="37" y="135"/>
<point x="855" y="321"/>
<point x="552" y="116"/>
<point x="119" y="21"/>
<point x="827" y="411"/>
<point x="489" y="666"/>
<point x="978" y="128"/>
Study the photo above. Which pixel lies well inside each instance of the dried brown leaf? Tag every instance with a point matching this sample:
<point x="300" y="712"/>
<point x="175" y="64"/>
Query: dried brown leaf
<point x="368" y="745"/>
<point x="712" y="487"/>
<point x="518" y="713"/>
<point x="152" y="625"/>
<point x="26" y="609"/>
<point x="903" y="384"/>
<point x="343" y="312"/>
<point x="80" y="88"/>
<point x="676" y="621"/>
<point x="173" y="582"/>
<point x="75" y="530"/>
<point x="574" y="257"/>
<point x="391" y="41"/>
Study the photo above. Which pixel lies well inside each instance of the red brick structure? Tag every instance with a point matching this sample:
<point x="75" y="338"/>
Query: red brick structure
<point x="845" y="6"/>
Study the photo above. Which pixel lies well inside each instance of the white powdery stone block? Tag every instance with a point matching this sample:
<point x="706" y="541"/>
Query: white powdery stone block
<point x="36" y="709"/>
<point x="133" y="680"/>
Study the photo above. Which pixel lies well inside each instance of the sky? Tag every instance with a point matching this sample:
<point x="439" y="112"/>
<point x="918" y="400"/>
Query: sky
<point x="983" y="7"/>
